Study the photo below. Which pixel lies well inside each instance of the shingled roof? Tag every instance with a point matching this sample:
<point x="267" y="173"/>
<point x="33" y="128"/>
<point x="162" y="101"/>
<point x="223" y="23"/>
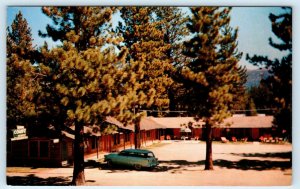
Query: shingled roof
<point x="259" y="121"/>
<point x="177" y="122"/>
<point x="150" y="123"/>
<point x="236" y="121"/>
<point x="146" y="124"/>
<point x="114" y="121"/>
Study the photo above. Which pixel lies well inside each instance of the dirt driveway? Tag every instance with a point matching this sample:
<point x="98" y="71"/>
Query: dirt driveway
<point x="182" y="164"/>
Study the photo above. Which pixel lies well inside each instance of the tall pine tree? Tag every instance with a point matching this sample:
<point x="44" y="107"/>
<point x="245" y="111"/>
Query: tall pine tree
<point x="209" y="78"/>
<point x="144" y="38"/>
<point x="85" y="80"/>
<point x="280" y="81"/>
<point x="173" y="22"/>
<point x="21" y="83"/>
<point x="240" y="95"/>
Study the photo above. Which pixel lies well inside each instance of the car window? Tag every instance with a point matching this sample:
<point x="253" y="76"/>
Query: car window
<point x="145" y="155"/>
<point x="123" y="153"/>
<point x="137" y="154"/>
<point x="131" y="154"/>
<point x="142" y="155"/>
<point x="150" y="154"/>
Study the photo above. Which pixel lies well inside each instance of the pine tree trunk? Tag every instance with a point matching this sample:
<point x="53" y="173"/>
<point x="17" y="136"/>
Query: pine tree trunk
<point x="78" y="171"/>
<point x="208" y="160"/>
<point x="137" y="138"/>
<point x="172" y="105"/>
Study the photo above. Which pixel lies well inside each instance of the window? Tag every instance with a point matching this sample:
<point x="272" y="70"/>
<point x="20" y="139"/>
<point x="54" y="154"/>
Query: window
<point x="127" y="137"/>
<point x="142" y="155"/>
<point x="94" y="142"/>
<point x="123" y="153"/>
<point x="44" y="149"/>
<point x="150" y="154"/>
<point x="116" y="139"/>
<point x="132" y="154"/>
<point x="148" y="134"/>
<point x="39" y="149"/>
<point x="33" y="149"/>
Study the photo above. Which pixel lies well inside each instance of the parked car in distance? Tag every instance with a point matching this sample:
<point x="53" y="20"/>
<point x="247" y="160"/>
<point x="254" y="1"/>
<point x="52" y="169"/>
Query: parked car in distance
<point x="133" y="158"/>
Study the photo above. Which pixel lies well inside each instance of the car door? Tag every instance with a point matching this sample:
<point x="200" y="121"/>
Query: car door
<point x="137" y="159"/>
<point x="122" y="158"/>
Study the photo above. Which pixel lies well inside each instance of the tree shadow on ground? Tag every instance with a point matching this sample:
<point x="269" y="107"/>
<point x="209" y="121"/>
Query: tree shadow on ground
<point x="120" y="168"/>
<point x="175" y="166"/>
<point x="244" y="164"/>
<point x="258" y="165"/>
<point x="31" y="180"/>
<point x="283" y="155"/>
<point x="90" y="164"/>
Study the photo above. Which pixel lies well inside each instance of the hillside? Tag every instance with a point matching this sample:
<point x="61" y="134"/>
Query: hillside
<point x="254" y="77"/>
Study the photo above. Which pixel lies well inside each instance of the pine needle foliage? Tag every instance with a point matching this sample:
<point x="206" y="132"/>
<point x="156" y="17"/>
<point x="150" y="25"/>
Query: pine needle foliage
<point x="21" y="84"/>
<point x="87" y="78"/>
<point x="211" y="75"/>
<point x="144" y="38"/>
<point x="279" y="83"/>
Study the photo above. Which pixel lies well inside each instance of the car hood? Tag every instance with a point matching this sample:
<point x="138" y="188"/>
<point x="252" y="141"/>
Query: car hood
<point x="111" y="155"/>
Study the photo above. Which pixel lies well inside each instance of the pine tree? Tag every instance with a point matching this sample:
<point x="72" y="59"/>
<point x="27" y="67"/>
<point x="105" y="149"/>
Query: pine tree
<point x="144" y="38"/>
<point x="21" y="84"/>
<point x="173" y="21"/>
<point x="262" y="96"/>
<point x="85" y="80"/>
<point x="280" y="80"/>
<point x="251" y="108"/>
<point x="209" y="78"/>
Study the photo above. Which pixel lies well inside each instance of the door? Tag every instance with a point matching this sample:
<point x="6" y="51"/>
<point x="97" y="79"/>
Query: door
<point x="64" y="151"/>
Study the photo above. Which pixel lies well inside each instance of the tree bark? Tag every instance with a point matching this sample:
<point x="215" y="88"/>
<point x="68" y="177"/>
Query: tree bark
<point x="137" y="135"/>
<point x="172" y="105"/>
<point x="208" y="160"/>
<point x="78" y="171"/>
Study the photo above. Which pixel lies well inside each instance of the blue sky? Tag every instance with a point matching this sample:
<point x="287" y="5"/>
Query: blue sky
<point x="253" y="23"/>
<point x="255" y="30"/>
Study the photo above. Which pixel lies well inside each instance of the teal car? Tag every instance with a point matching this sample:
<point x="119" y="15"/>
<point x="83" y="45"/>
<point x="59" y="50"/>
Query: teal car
<point x="133" y="158"/>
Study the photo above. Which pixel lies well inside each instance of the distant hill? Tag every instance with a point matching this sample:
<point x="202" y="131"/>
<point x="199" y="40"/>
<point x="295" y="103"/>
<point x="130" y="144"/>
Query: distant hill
<point x="254" y="77"/>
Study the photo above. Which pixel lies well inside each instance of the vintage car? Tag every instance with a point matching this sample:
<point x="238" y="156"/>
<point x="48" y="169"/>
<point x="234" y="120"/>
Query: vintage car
<point x="132" y="157"/>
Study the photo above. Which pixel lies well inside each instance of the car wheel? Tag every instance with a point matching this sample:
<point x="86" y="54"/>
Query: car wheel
<point x="152" y="168"/>
<point x="109" y="163"/>
<point x="137" y="167"/>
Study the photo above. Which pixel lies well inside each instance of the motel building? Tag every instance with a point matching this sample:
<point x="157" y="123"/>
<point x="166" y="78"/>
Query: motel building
<point x="51" y="149"/>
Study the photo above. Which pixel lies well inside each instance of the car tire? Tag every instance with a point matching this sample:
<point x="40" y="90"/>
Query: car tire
<point x="109" y="163"/>
<point x="137" y="167"/>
